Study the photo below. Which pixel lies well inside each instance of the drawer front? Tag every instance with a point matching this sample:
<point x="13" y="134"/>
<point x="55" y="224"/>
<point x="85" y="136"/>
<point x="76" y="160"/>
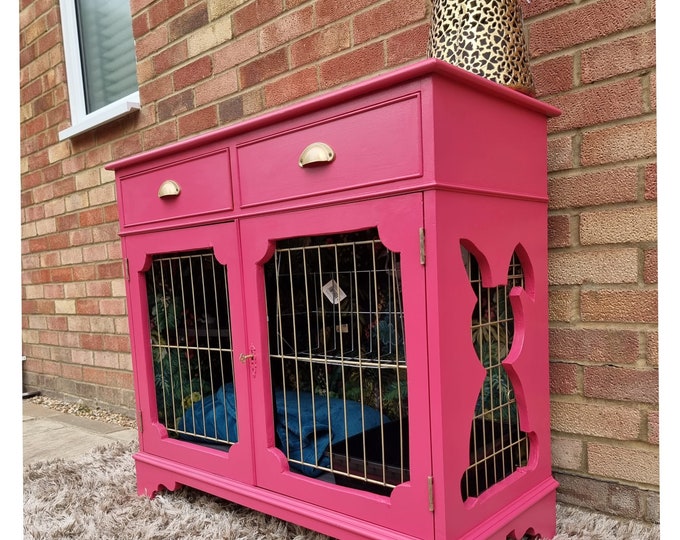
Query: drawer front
<point x="204" y="184"/>
<point x="370" y="146"/>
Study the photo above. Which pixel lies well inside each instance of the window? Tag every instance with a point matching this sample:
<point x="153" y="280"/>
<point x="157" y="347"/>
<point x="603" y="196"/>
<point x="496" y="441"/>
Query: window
<point x="101" y="66"/>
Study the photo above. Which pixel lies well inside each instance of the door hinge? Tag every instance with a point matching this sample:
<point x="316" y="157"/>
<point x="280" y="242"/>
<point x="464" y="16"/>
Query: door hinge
<point x="140" y="422"/>
<point x="126" y="269"/>
<point x="430" y="493"/>
<point x="422" y="246"/>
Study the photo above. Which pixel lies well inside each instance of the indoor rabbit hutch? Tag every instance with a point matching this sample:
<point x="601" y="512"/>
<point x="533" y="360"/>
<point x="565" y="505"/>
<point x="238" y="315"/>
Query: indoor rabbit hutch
<point x="350" y="334"/>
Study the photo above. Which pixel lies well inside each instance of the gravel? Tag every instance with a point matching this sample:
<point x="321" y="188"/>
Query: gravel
<point x="78" y="408"/>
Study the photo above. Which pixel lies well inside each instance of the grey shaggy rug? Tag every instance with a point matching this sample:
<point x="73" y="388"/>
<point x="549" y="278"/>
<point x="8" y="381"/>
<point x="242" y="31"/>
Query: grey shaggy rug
<point x="95" y="497"/>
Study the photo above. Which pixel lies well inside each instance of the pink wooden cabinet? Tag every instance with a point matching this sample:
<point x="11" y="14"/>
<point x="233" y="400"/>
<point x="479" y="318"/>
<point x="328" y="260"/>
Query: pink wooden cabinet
<point x="338" y="310"/>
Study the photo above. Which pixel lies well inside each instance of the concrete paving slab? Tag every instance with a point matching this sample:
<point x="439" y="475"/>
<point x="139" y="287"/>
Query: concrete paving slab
<point x="34" y="410"/>
<point x="50" y="434"/>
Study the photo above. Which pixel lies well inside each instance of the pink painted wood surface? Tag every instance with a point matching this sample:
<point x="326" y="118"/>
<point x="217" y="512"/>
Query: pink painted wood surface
<point x="494" y="228"/>
<point x="373" y="145"/>
<point x="398" y="220"/>
<point x="138" y="250"/>
<point x="428" y="145"/>
<point x="204" y="181"/>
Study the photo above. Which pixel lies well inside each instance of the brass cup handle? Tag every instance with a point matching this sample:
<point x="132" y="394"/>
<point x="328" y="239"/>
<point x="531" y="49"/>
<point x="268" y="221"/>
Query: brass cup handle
<point x="317" y="153"/>
<point x="169" y="188"/>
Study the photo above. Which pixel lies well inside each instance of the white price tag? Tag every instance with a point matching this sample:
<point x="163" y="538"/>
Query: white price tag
<point x="333" y="292"/>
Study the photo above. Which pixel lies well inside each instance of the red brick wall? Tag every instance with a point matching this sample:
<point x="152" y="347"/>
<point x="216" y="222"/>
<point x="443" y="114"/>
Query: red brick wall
<point x="596" y="61"/>
<point x="207" y="63"/>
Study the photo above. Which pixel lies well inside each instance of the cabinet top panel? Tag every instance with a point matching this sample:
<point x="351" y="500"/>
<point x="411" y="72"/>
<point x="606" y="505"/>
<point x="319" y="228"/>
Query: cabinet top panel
<point x="416" y="71"/>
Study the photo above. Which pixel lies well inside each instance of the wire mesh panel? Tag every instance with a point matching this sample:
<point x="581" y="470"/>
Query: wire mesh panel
<point x="497" y="445"/>
<point x="188" y="299"/>
<point x="336" y="333"/>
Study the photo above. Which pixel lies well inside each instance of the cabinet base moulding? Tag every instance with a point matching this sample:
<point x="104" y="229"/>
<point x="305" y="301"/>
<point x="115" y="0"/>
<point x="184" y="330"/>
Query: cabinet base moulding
<point x="532" y="513"/>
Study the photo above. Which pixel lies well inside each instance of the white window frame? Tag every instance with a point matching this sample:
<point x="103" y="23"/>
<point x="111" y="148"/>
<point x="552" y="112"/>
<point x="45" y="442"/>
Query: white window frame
<point x="81" y="121"/>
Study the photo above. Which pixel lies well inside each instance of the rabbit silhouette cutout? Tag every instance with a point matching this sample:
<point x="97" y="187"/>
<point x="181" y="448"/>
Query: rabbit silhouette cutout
<point x="497" y="445"/>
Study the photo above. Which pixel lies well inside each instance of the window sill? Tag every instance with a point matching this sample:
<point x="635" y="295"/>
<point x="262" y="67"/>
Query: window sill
<point x="101" y="116"/>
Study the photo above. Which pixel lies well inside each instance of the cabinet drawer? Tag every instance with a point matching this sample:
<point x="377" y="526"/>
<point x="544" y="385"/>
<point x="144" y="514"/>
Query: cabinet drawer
<point x="204" y="184"/>
<point x="370" y="146"/>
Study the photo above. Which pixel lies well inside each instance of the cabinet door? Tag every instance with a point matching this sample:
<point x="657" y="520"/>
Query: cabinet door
<point x="337" y="350"/>
<point x="183" y="292"/>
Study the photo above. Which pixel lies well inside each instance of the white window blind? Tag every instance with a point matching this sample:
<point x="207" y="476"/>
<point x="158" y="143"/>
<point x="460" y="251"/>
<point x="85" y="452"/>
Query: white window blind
<point x="107" y="51"/>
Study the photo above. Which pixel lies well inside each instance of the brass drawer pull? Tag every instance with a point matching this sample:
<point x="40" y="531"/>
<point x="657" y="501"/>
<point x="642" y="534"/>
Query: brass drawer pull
<point x="169" y="188"/>
<point x="317" y="153"/>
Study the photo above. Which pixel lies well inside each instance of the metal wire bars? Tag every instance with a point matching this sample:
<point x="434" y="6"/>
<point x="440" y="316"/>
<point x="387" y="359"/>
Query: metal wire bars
<point x="497" y="445"/>
<point x="337" y="330"/>
<point x="188" y="300"/>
